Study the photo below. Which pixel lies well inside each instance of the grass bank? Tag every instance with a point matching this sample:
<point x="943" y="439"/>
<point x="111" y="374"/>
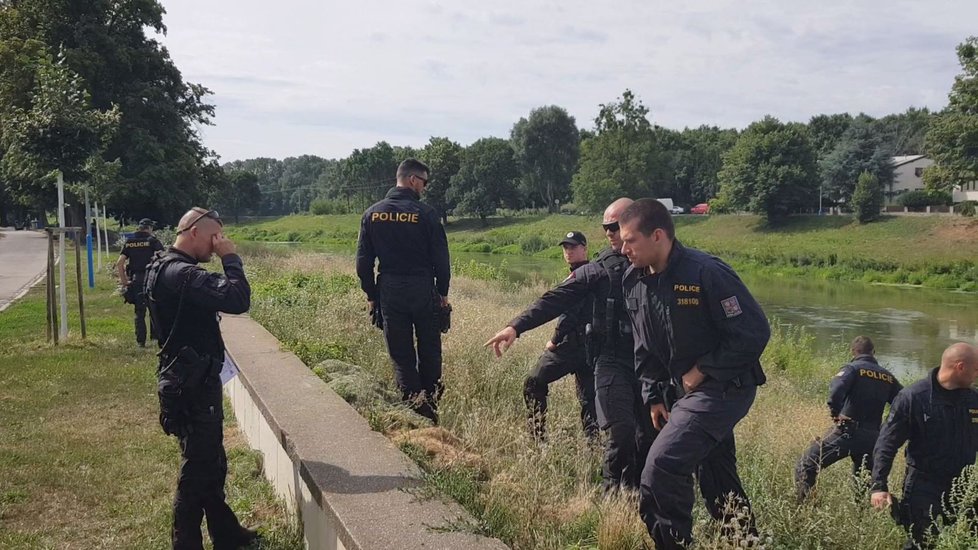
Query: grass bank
<point x="83" y="462"/>
<point x="931" y="251"/>
<point x="542" y="497"/>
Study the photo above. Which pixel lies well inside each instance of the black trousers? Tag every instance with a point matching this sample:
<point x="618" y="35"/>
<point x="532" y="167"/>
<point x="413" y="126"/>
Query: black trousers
<point x="924" y="502"/>
<point x="567" y="358"/>
<point x="698" y="438"/>
<point x="624" y="418"/>
<point x="200" y="487"/>
<point x="139" y="302"/>
<point x="410" y="310"/>
<point x="840" y="442"/>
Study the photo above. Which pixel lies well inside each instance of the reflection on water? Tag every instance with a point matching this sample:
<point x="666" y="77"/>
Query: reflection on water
<point x="910" y="326"/>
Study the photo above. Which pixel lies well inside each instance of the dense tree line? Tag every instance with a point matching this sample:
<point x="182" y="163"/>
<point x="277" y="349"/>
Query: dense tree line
<point x="84" y="90"/>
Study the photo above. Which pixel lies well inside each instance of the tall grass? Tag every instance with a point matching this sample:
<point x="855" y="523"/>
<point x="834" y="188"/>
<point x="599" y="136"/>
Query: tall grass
<point x="548" y="496"/>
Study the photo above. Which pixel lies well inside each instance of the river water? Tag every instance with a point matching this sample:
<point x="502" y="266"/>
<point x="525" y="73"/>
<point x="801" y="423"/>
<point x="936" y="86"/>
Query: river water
<point x="910" y="326"/>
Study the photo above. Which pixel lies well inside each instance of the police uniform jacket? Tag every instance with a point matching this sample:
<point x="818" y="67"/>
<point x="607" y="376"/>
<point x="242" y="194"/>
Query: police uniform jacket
<point x="592" y="281"/>
<point x="407" y="236"/>
<point x="206" y="294"/>
<point x="941" y="426"/>
<point x="695" y="312"/>
<point x="860" y="391"/>
<point x="139" y="250"/>
<point x="572" y="324"/>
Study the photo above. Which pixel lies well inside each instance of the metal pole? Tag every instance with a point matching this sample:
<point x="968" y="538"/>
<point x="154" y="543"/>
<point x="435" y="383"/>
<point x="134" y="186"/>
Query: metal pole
<point x="62" y="289"/>
<point x="98" y="237"/>
<point x="105" y="231"/>
<point x="78" y="277"/>
<point x="86" y="226"/>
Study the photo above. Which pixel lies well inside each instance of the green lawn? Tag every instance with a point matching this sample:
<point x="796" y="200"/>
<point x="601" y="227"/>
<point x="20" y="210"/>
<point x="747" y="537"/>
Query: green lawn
<point x="83" y="462"/>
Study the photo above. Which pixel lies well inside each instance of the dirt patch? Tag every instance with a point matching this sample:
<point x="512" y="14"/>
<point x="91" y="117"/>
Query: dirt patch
<point x="444" y="449"/>
<point x="958" y="231"/>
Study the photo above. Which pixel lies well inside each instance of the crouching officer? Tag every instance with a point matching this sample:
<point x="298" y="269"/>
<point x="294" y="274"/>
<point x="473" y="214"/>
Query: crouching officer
<point x="706" y="334"/>
<point x="136" y="254"/>
<point x="857" y="395"/>
<point x="938" y="417"/>
<point x="566" y="354"/>
<point x="407" y="237"/>
<point x="618" y="393"/>
<point x="185" y="299"/>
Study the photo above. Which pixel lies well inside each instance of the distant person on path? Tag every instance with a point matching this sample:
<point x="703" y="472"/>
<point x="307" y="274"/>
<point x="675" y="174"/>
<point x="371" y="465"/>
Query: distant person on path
<point x="857" y="395"/>
<point x="618" y="392"/>
<point x="411" y="288"/>
<point x="938" y="419"/>
<point x="566" y="353"/>
<point x="186" y="300"/>
<point x="706" y="335"/>
<point x="137" y="252"/>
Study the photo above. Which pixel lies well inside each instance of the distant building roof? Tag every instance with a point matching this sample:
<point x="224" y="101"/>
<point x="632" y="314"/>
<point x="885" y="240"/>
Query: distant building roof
<point x="899" y="161"/>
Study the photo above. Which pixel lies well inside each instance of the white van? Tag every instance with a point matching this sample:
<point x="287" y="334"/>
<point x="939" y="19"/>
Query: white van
<point x="672" y="208"/>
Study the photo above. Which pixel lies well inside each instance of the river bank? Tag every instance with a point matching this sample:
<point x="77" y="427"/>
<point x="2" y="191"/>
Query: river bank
<point x="549" y="497"/>
<point x="929" y="251"/>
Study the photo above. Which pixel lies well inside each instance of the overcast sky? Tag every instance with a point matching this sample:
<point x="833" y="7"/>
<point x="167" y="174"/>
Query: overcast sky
<point x="294" y="77"/>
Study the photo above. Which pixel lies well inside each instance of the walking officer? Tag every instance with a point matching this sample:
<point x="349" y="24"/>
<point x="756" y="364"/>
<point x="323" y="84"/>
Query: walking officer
<point x="566" y="353"/>
<point x="186" y="300"/>
<point x="621" y="414"/>
<point x="706" y="334"/>
<point x="136" y="254"/>
<point x="857" y="395"/>
<point x="938" y="419"/>
<point x="407" y="238"/>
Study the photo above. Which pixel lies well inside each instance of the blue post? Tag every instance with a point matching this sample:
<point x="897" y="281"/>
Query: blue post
<point x="91" y="268"/>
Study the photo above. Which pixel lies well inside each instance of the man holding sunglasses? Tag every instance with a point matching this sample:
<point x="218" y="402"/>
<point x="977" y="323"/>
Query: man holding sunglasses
<point x="411" y="290"/>
<point x="620" y="409"/>
<point x="185" y="300"/>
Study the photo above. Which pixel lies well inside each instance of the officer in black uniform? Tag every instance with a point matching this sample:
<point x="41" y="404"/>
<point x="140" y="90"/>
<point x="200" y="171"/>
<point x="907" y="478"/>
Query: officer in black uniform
<point x="186" y="299"/>
<point x="938" y="416"/>
<point x="137" y="252"/>
<point x="706" y="335"/>
<point x="621" y="413"/>
<point x="857" y="395"/>
<point x="566" y="354"/>
<point x="407" y="238"/>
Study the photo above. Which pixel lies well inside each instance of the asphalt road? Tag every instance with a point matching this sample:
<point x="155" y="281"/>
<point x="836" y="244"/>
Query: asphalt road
<point x="23" y="258"/>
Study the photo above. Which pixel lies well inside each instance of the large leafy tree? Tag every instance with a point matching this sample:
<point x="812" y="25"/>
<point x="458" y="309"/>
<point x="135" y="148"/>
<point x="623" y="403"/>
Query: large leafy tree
<point x="547" y="145"/>
<point x="268" y="172"/>
<point x="164" y="167"/>
<point x="443" y="157"/>
<point x="486" y="178"/>
<point x="239" y="194"/>
<point x="770" y="170"/>
<point x="370" y="172"/>
<point x="861" y="149"/>
<point x="952" y="140"/>
<point x="618" y="159"/>
<point x="698" y="161"/>
<point x="904" y="133"/>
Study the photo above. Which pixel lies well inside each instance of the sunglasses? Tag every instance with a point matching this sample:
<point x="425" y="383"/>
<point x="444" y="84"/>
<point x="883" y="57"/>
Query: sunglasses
<point x="613" y="227"/>
<point x="424" y="181"/>
<point x="212" y="214"/>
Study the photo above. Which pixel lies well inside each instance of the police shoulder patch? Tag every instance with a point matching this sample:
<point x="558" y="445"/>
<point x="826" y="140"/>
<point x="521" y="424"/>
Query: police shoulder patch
<point x="731" y="307"/>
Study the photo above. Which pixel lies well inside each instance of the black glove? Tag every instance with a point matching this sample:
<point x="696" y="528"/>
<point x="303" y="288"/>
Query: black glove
<point x="178" y="426"/>
<point x="445" y="317"/>
<point x="377" y="316"/>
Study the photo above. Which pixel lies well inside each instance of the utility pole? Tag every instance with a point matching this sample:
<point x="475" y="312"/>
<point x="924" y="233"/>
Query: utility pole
<point x="62" y="290"/>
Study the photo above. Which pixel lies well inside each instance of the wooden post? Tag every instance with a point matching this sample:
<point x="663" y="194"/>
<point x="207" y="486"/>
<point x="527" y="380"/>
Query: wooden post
<point x="78" y="275"/>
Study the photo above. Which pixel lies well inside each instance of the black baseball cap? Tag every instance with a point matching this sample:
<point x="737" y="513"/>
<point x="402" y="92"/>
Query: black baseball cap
<point x="574" y="238"/>
<point x="146" y="222"/>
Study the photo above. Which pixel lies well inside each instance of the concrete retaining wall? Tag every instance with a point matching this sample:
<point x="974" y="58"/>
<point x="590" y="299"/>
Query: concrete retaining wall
<point x="350" y="485"/>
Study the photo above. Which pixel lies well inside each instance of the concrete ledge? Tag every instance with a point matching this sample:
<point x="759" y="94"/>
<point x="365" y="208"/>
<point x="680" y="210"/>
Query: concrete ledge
<point x="349" y="484"/>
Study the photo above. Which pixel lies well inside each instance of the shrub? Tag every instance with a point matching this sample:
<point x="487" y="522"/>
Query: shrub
<point x="967" y="208"/>
<point x="867" y="199"/>
<point x="532" y="242"/>
<point x="322" y="207"/>
<point x="921" y="198"/>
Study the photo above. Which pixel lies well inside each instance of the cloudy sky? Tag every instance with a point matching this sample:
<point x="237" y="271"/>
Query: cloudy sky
<point x="295" y="77"/>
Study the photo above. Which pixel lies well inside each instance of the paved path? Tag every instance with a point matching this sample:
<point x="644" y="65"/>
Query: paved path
<point x="23" y="259"/>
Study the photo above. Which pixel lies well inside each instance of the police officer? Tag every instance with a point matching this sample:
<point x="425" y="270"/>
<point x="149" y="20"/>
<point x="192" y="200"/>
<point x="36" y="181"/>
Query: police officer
<point x="137" y="252"/>
<point x="706" y="334"/>
<point x="938" y="416"/>
<point x="857" y="395"/>
<point x="621" y="414"/>
<point x="565" y="354"/>
<point x="407" y="238"/>
<point x="185" y="299"/>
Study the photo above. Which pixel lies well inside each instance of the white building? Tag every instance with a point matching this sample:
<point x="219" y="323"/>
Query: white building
<point x="908" y="176"/>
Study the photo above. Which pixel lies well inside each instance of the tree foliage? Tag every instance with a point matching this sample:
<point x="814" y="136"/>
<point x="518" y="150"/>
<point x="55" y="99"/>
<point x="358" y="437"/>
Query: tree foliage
<point x="547" y="145"/>
<point x="486" y="179"/>
<point x="770" y="170"/>
<point x="239" y="195"/>
<point x="867" y="199"/>
<point x="952" y="141"/>
<point x="443" y="157"/>
<point x="859" y="150"/>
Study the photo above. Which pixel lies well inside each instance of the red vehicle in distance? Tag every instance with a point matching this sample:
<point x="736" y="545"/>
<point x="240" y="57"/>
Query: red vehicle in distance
<point x="701" y="208"/>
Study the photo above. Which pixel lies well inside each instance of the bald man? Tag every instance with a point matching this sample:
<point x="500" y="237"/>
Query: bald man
<point x="938" y="419"/>
<point x="185" y="300"/>
<point x="621" y="412"/>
